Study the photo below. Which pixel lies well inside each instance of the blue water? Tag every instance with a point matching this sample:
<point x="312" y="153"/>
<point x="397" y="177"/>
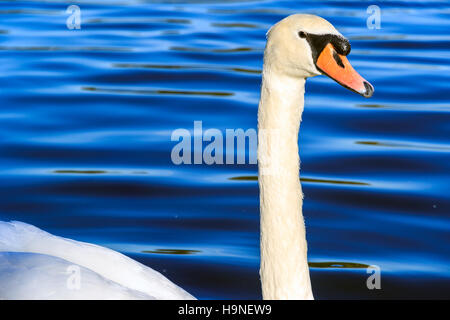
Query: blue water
<point x="86" y="118"/>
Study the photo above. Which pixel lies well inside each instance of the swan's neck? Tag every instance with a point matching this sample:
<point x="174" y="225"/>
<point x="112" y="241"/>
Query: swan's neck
<point x="284" y="266"/>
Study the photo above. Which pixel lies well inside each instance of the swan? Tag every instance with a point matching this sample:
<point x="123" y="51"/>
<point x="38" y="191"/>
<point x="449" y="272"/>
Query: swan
<point x="37" y="265"/>
<point x="298" y="47"/>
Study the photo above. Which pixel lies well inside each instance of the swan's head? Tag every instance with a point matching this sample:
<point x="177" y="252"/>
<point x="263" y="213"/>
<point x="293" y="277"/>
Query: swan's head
<point x="304" y="45"/>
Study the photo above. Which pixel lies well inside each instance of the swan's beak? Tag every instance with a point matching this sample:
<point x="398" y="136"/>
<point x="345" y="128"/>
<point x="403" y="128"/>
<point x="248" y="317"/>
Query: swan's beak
<point x="338" y="68"/>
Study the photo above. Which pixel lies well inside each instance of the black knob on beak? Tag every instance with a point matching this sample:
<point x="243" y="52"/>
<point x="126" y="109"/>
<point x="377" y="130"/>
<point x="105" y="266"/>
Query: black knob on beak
<point x="341" y="45"/>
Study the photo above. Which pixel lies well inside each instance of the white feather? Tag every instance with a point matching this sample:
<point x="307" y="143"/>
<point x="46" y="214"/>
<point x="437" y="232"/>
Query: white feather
<point x="33" y="276"/>
<point x="110" y="266"/>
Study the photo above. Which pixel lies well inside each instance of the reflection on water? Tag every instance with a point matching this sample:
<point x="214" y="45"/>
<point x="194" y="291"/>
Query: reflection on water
<point x="86" y="119"/>
<point x="232" y="50"/>
<point x="187" y="67"/>
<point x="401" y="145"/>
<point x="125" y="91"/>
<point x="80" y="171"/>
<point x="68" y="48"/>
<point x="370" y="106"/>
<point x="338" y="265"/>
<point x="234" y="25"/>
<point x="172" y="251"/>
<point x="311" y="180"/>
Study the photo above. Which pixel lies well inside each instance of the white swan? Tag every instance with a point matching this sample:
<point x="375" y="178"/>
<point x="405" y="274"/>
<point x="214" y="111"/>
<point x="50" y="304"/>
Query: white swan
<point x="298" y="47"/>
<point x="37" y="265"/>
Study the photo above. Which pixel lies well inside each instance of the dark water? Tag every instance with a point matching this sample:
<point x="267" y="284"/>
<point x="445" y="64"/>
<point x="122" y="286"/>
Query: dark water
<point x="86" y="118"/>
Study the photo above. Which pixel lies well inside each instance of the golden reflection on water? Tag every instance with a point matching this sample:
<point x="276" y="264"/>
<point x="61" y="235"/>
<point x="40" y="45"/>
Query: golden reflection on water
<point x="186" y="67"/>
<point x="337" y="265"/>
<point x="80" y="171"/>
<point x="318" y="265"/>
<point x="371" y="106"/>
<point x="205" y="50"/>
<point x="400" y="145"/>
<point x="160" y="92"/>
<point x="234" y="25"/>
<point x="377" y="37"/>
<point x="309" y="180"/>
<point x="65" y="49"/>
<point x="246" y="11"/>
<point x="31" y="12"/>
<point x="177" y="21"/>
<point x="172" y="251"/>
<point x="135" y="20"/>
<point x="73" y="171"/>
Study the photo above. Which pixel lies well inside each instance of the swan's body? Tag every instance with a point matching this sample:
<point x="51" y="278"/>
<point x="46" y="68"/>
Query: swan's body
<point x="34" y="263"/>
<point x="39" y="276"/>
<point x="37" y="265"/>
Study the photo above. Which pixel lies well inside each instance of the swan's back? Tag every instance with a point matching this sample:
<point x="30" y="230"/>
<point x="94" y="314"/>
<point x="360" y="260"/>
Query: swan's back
<point x="28" y="276"/>
<point x="102" y="268"/>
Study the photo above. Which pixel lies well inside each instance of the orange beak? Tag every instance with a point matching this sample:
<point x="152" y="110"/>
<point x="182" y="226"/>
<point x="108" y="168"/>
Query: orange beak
<point x="338" y="68"/>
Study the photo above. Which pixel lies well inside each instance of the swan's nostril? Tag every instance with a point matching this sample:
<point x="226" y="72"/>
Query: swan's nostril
<point x="338" y="59"/>
<point x="369" y="90"/>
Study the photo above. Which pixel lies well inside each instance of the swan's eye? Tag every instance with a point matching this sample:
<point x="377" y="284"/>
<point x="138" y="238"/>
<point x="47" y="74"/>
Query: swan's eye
<point x="302" y="34"/>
